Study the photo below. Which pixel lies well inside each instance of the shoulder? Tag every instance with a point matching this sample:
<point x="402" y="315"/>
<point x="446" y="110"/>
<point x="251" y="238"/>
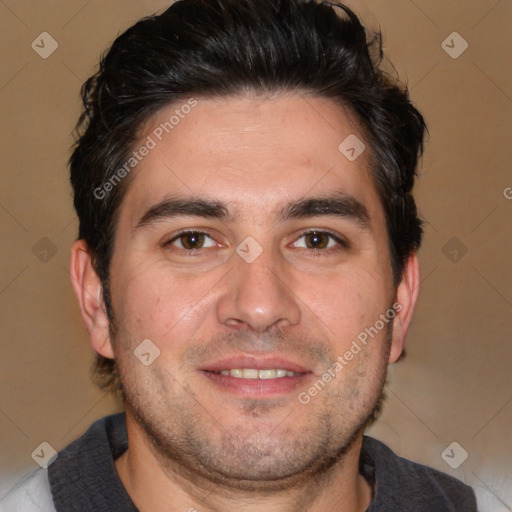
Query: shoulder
<point x="31" y="494"/>
<point x="84" y="477"/>
<point x="403" y="483"/>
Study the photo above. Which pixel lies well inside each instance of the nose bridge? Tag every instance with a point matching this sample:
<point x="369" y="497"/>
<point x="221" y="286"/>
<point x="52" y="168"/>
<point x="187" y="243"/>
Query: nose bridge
<point x="258" y="294"/>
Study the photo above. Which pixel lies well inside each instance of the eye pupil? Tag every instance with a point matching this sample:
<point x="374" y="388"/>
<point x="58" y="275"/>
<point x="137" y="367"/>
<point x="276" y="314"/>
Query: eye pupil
<point x="192" y="240"/>
<point x="316" y="240"/>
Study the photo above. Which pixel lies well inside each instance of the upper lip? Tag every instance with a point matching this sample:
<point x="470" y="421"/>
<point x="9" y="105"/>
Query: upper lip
<point x="254" y="362"/>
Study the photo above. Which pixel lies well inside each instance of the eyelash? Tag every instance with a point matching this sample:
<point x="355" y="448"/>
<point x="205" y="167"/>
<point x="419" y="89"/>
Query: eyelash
<point x="189" y="252"/>
<point x="342" y="244"/>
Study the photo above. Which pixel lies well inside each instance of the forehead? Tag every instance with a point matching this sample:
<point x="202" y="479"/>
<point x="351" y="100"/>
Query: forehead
<point x="254" y="154"/>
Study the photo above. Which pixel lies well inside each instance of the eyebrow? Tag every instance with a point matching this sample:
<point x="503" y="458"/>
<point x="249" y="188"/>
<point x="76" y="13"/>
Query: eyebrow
<point x="182" y="207"/>
<point x="335" y="205"/>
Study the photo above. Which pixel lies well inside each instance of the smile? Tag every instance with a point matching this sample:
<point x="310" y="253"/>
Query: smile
<point x="253" y="373"/>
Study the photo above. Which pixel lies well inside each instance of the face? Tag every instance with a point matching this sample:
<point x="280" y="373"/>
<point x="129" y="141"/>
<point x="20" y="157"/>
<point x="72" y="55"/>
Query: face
<point x="252" y="253"/>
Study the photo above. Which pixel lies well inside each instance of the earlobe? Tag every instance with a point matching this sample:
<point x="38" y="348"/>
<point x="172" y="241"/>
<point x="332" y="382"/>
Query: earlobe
<point x="89" y="292"/>
<point x="406" y="296"/>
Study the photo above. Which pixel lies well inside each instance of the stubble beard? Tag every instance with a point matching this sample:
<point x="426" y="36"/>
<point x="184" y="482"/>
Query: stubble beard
<point x="247" y="457"/>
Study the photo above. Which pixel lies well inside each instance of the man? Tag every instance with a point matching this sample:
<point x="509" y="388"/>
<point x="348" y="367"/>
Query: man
<point x="246" y="267"/>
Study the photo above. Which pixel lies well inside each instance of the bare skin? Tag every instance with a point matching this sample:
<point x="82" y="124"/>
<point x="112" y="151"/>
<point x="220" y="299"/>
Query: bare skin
<point x="200" y="439"/>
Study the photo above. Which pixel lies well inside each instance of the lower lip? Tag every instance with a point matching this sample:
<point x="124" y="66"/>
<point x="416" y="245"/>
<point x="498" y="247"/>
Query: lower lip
<point x="257" y="388"/>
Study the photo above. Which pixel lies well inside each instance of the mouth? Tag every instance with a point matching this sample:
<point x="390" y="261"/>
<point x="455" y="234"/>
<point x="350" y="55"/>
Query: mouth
<point x="253" y="377"/>
<point x="254" y="373"/>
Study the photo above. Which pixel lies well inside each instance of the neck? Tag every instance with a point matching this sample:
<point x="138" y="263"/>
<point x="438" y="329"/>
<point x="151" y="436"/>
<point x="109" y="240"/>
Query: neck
<point x="156" y="483"/>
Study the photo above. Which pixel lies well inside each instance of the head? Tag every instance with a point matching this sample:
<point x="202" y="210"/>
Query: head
<point x="243" y="108"/>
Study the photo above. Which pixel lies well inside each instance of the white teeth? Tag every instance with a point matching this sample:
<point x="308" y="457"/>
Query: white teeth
<point x="252" y="373"/>
<point x="249" y="373"/>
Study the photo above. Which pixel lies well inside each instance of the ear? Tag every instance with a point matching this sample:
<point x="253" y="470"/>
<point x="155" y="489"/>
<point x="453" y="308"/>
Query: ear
<point x="406" y="296"/>
<point x="89" y="292"/>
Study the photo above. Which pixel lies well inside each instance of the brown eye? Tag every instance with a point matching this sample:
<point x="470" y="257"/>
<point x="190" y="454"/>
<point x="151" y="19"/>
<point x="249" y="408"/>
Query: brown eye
<point x="317" y="240"/>
<point x="320" y="242"/>
<point x="190" y="240"/>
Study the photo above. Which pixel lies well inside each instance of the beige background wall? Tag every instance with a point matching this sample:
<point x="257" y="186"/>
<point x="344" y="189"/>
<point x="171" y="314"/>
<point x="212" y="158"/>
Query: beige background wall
<point x="455" y="383"/>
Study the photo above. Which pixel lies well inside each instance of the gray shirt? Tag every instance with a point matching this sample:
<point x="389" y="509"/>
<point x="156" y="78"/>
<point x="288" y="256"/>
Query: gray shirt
<point x="83" y="478"/>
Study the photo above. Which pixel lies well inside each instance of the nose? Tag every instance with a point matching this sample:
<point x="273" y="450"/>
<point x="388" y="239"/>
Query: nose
<point x="259" y="295"/>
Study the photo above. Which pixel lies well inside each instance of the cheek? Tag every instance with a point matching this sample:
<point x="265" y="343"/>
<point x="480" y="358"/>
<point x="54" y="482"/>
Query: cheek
<point x="346" y="303"/>
<point x="151" y="302"/>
